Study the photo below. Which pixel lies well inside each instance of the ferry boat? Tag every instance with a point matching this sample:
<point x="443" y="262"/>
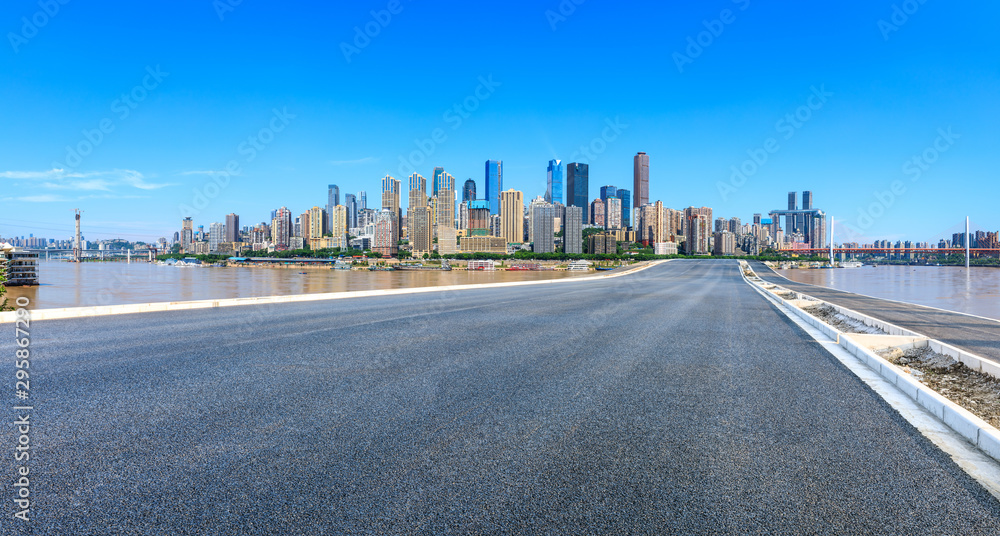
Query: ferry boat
<point x="524" y="267"/>
<point x="579" y="266"/>
<point x="851" y="264"/>
<point x="444" y="267"/>
<point x="376" y="268"/>
<point x="482" y="266"/>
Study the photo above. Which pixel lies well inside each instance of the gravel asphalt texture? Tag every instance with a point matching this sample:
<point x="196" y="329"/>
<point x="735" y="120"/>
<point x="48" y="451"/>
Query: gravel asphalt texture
<point x="675" y="400"/>
<point x="979" y="336"/>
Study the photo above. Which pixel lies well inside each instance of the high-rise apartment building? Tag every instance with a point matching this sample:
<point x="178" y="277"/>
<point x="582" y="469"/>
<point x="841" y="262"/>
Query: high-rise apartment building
<point x="640" y="179"/>
<point x="613" y="213"/>
<point x="444" y="212"/>
<point x="573" y="230"/>
<point x="317" y="224"/>
<point x="542" y="222"/>
<point x="699" y="229"/>
<point x="578" y="188"/>
<point x="512" y="216"/>
<point x="418" y="194"/>
<point x="469" y="191"/>
<point x="187" y="235"/>
<point x="232" y="228"/>
<point x="494" y="184"/>
<point x="420" y="229"/>
<point x="597" y="213"/>
<point x="386" y="233"/>
<point x="216" y="235"/>
<point x="725" y="243"/>
<point x="281" y="228"/>
<point x="338" y="224"/>
<point x="390" y="201"/>
<point x="554" y="182"/>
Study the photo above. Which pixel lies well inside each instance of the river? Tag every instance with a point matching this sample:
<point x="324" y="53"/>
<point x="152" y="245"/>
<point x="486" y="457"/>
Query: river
<point x="66" y="284"/>
<point x="974" y="291"/>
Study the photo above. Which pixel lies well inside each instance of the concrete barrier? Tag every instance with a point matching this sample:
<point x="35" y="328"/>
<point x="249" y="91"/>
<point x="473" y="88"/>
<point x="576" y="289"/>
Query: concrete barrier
<point x="977" y="431"/>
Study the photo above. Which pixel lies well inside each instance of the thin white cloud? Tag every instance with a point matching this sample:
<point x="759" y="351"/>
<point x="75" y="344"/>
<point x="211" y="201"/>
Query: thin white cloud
<point x="41" y="199"/>
<point x="365" y="160"/>
<point x="60" y="179"/>
<point x="208" y="172"/>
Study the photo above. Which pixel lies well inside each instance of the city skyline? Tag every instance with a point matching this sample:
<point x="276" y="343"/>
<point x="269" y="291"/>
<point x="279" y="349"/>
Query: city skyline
<point x="856" y="110"/>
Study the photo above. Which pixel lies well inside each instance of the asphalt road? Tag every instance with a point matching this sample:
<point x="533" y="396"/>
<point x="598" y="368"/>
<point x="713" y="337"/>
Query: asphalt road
<point x="980" y="336"/>
<point x="672" y="401"/>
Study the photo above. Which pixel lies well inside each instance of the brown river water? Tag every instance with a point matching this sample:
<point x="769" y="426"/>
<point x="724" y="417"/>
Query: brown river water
<point x="974" y="291"/>
<point x="66" y="284"/>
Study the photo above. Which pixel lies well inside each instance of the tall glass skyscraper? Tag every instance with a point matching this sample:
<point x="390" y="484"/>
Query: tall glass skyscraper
<point x="554" y="182"/>
<point x="469" y="191"/>
<point x="626" y="197"/>
<point x="352" y="209"/>
<point x="608" y="191"/>
<point x="438" y="179"/>
<point x="494" y="184"/>
<point x="333" y="194"/>
<point x="362" y="200"/>
<point x="578" y="187"/>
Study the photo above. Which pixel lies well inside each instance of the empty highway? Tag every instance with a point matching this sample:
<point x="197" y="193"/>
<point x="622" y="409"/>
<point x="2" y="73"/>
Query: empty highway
<point x="675" y="400"/>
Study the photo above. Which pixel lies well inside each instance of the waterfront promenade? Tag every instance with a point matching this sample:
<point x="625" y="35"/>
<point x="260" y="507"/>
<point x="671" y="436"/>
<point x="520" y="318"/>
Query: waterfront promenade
<point x="977" y="335"/>
<point x="676" y="400"/>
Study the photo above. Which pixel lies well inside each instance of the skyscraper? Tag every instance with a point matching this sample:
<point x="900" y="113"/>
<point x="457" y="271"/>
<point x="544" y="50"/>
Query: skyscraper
<point x="469" y="191"/>
<point x="640" y="180"/>
<point x="390" y="201"/>
<point x="790" y="220"/>
<point x="444" y="215"/>
<point x="512" y="216"/>
<point x="542" y="221"/>
<point x="317" y="223"/>
<point x="338" y="222"/>
<point x="232" y="228"/>
<point x="281" y="228"/>
<point x="573" y="234"/>
<point x="333" y="199"/>
<point x="351" y="202"/>
<point x="597" y="213"/>
<point x="187" y="235"/>
<point x="608" y="191"/>
<point x="699" y="229"/>
<point x="578" y="188"/>
<point x="362" y="200"/>
<point x="418" y="191"/>
<point x="494" y="184"/>
<point x="386" y="233"/>
<point x="554" y="182"/>
<point x="421" y="230"/>
<point x="626" y="197"/>
<point x="613" y="213"/>
<point x="436" y="185"/>
<point x="216" y="235"/>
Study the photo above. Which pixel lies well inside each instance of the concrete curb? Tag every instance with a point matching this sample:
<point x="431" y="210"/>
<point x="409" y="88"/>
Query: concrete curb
<point x="108" y="310"/>
<point x="980" y="433"/>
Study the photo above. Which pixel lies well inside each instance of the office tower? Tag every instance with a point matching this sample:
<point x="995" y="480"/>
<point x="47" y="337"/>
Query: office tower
<point x="216" y="235"/>
<point x="554" y="182"/>
<point x="807" y="200"/>
<point x="807" y="219"/>
<point x="578" y="188"/>
<point x="338" y="223"/>
<point x="542" y="222"/>
<point x="421" y="230"/>
<point x="494" y="184"/>
<point x="698" y="229"/>
<point x="281" y="228"/>
<point x="597" y="213"/>
<point x="469" y="191"/>
<point x="613" y="213"/>
<point x="317" y="224"/>
<point x="187" y="235"/>
<point x="573" y="234"/>
<point x="640" y="179"/>
<point x="390" y="201"/>
<point x="437" y="180"/>
<point x="386" y="232"/>
<point x="512" y="216"/>
<point x="608" y="191"/>
<point x="232" y="228"/>
<point x="362" y="200"/>
<point x="626" y="197"/>
<point x="351" y="202"/>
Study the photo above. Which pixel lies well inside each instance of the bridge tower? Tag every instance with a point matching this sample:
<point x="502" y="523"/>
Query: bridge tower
<point x="77" y="243"/>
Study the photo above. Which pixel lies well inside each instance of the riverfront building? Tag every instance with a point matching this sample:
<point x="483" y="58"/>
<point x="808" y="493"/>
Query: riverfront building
<point x="512" y="216"/>
<point x="640" y="179"/>
<point x="494" y="184"/>
<point x="573" y="230"/>
<point x="21" y="265"/>
<point x="542" y="222"/>
<point x="578" y="188"/>
<point x="554" y="182"/>
<point x="390" y="200"/>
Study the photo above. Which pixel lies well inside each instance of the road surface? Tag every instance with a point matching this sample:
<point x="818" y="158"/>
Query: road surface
<point x="673" y="401"/>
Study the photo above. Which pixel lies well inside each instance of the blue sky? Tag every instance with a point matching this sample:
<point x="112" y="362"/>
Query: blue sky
<point x="183" y="88"/>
